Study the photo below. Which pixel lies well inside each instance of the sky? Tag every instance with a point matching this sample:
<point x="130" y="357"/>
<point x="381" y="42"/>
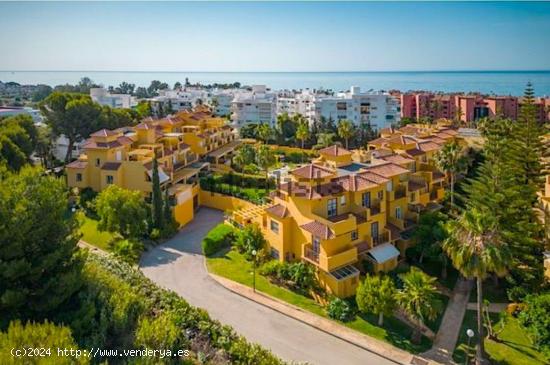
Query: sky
<point x="280" y="36"/>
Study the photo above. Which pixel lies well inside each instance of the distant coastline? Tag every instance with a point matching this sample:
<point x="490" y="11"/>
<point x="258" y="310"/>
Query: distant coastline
<point x="499" y="82"/>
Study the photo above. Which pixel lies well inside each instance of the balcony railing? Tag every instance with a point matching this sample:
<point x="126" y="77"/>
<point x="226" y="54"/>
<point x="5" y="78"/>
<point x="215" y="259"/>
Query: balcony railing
<point x="400" y="192"/>
<point x="310" y="254"/>
<point x="375" y="207"/>
<point x="381" y="238"/>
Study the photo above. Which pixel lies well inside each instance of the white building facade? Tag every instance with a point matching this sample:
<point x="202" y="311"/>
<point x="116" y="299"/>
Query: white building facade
<point x="254" y="107"/>
<point x="103" y="97"/>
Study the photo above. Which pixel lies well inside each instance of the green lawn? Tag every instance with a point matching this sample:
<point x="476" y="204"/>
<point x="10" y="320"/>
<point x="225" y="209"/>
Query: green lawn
<point x="515" y="347"/>
<point x="92" y="235"/>
<point x="232" y="265"/>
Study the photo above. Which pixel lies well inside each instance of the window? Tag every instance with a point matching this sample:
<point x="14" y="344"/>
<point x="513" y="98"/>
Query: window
<point x="389" y="186"/>
<point x="97" y="161"/>
<point x="398" y="213"/>
<point x="354" y="235"/>
<point x="79" y="177"/>
<point x="275" y="253"/>
<point x="274" y="226"/>
<point x="380" y="195"/>
<point x="316" y="244"/>
<point x="365" y="200"/>
<point x="413" y="197"/>
<point x="343" y="200"/>
<point x="109" y="179"/>
<point x="331" y="208"/>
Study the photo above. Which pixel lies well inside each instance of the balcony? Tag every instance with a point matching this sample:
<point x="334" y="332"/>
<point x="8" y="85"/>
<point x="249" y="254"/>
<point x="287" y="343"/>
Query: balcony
<point x="328" y="263"/>
<point x="375" y="207"/>
<point x="400" y="192"/>
<point x="381" y="238"/>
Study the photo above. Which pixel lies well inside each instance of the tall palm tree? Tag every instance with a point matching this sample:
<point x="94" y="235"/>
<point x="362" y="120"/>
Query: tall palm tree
<point x="345" y="130"/>
<point x="476" y="249"/>
<point x="302" y="133"/>
<point x="264" y="132"/>
<point x="265" y="158"/>
<point x="451" y="160"/>
<point x="419" y="298"/>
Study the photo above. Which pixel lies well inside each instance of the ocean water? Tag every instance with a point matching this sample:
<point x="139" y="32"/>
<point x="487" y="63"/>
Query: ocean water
<point x="488" y="82"/>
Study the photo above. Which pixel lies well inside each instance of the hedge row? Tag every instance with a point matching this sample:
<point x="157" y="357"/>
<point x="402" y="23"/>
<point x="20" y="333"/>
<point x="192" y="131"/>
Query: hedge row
<point x="195" y="325"/>
<point x="218" y="238"/>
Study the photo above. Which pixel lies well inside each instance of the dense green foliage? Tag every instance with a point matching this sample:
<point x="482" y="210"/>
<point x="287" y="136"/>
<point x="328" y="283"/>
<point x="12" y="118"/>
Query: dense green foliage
<point x="219" y="237"/>
<point x="239" y="186"/>
<point x="340" y="310"/>
<point x="250" y="239"/>
<point x="298" y="276"/>
<point x="156" y="198"/>
<point x="39" y="264"/>
<point x="120" y="308"/>
<point x="18" y="139"/>
<point x="536" y="319"/>
<point x="121" y="211"/>
<point x="45" y="337"/>
<point x="376" y="295"/>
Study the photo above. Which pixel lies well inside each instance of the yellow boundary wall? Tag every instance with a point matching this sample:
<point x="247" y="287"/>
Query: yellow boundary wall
<point x="222" y="202"/>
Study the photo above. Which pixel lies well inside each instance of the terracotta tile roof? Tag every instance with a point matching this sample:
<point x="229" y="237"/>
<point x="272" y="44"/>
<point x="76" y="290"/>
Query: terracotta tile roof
<point x="78" y="164"/>
<point x="409" y="129"/>
<point x="335" y="151"/>
<point x="278" y="210"/>
<point x="312" y="171"/>
<point x="143" y="126"/>
<point x="414" y="152"/>
<point x="397" y="159"/>
<point x="402" y="140"/>
<point x="388" y="170"/>
<point x="316" y="192"/>
<point x="395" y="232"/>
<point x="361" y="181"/>
<point x="382" y="152"/>
<point x="449" y="131"/>
<point x="428" y="146"/>
<point x="443" y="135"/>
<point x="379" y="141"/>
<point x="103" y="133"/>
<point x="374" y="176"/>
<point x="167" y="122"/>
<point x="318" y="229"/>
<point x="111" y="166"/>
<point x="119" y="142"/>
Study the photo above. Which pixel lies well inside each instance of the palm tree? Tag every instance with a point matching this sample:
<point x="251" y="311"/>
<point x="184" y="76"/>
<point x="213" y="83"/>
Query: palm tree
<point x="302" y="133"/>
<point x="419" y="298"/>
<point x="451" y="161"/>
<point x="325" y="139"/>
<point x="476" y="248"/>
<point x="264" y="132"/>
<point x="376" y="295"/>
<point x="265" y="159"/>
<point x="345" y="130"/>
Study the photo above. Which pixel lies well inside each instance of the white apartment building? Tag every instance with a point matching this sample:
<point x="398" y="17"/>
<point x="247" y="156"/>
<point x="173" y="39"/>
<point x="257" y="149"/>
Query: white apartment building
<point x="254" y="107"/>
<point x="103" y="97"/>
<point x="220" y="101"/>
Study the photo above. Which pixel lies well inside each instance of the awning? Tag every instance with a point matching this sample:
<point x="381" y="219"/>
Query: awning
<point x="162" y="175"/>
<point x="383" y="252"/>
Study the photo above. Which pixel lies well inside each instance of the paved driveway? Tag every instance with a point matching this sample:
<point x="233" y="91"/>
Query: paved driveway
<point x="179" y="265"/>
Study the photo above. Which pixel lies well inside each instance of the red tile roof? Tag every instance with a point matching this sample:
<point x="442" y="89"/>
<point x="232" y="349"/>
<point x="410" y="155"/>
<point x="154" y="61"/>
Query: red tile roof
<point x="111" y="166"/>
<point x="143" y="126"/>
<point x="103" y="133"/>
<point x="278" y="210"/>
<point x="414" y="152"/>
<point x="427" y="146"/>
<point x="388" y="169"/>
<point x="312" y="171"/>
<point x="335" y="151"/>
<point x="318" y="229"/>
<point x="78" y="164"/>
<point x="120" y="141"/>
<point x="397" y="159"/>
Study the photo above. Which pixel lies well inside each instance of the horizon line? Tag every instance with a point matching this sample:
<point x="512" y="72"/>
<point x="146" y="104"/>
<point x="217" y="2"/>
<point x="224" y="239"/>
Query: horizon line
<point x="332" y="71"/>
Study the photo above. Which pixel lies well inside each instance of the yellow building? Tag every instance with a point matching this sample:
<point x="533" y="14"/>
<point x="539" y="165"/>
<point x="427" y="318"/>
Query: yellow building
<point x="125" y="157"/>
<point x="337" y="213"/>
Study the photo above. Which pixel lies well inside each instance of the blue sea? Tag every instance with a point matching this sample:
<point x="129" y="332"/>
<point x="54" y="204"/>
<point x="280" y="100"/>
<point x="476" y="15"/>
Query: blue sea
<point x="488" y="82"/>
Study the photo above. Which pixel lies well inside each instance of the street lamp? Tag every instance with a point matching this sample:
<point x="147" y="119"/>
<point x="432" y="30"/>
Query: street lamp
<point x="254" y="271"/>
<point x="470" y="333"/>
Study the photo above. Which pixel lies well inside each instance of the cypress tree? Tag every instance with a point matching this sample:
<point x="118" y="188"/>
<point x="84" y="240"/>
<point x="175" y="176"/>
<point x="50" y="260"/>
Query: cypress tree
<point x="157" y="198"/>
<point x="168" y="217"/>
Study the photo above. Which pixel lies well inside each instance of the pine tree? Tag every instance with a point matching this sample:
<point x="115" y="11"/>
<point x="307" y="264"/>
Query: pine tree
<point x="156" y="202"/>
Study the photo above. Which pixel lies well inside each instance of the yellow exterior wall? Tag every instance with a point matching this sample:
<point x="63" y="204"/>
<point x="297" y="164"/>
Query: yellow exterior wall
<point x="183" y="213"/>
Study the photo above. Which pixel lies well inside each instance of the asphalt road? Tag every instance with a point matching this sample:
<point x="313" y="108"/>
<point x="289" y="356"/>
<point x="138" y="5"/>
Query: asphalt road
<point x="179" y="265"/>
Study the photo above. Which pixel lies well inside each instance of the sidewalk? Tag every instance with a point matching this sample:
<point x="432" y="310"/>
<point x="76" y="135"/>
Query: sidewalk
<point x="353" y="337"/>
<point x="447" y="336"/>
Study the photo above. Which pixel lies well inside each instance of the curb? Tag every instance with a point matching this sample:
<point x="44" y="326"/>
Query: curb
<point x="350" y="336"/>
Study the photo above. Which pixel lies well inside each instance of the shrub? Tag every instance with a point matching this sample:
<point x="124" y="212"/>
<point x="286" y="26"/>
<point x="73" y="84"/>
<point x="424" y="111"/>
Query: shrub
<point x="340" y="310"/>
<point x="155" y="234"/>
<point x="86" y="201"/>
<point x="273" y="268"/>
<point x="249" y="239"/>
<point x="128" y="250"/>
<point x="219" y="237"/>
<point x="536" y="319"/>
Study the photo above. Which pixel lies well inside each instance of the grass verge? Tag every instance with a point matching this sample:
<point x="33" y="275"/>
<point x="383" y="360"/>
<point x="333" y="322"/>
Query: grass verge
<point x="514" y="346"/>
<point x="92" y="235"/>
<point x="232" y="265"/>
